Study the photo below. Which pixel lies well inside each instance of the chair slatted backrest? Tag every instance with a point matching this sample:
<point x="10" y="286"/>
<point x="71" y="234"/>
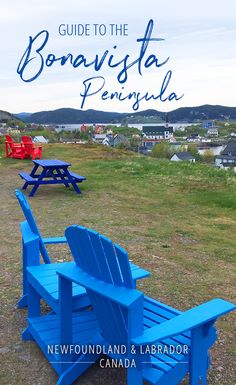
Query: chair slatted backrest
<point x="26" y="139"/>
<point x="9" y="139"/>
<point x="107" y="262"/>
<point x="10" y="142"/>
<point x="32" y="223"/>
<point x="28" y="144"/>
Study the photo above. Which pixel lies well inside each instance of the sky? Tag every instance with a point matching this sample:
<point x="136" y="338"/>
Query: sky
<point x="189" y="60"/>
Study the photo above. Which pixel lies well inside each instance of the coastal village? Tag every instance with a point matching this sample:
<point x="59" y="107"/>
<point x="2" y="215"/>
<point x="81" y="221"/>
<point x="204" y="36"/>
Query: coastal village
<point x="208" y="141"/>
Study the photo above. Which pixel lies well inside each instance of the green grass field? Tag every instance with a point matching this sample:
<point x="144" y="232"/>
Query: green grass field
<point x="177" y="220"/>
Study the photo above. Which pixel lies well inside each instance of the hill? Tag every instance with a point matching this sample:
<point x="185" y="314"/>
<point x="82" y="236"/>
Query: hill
<point x="73" y="116"/>
<point x="22" y="115"/>
<point x="206" y="112"/>
<point x="184" y="114"/>
<point x="4" y="116"/>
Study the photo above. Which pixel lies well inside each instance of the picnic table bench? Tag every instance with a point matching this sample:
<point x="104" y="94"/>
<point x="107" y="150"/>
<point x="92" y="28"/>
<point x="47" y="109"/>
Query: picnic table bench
<point x="27" y="177"/>
<point x="54" y="171"/>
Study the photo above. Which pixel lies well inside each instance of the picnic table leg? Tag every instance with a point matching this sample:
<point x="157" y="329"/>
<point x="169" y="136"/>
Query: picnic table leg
<point x="72" y="181"/>
<point x="34" y="189"/>
<point x="33" y="172"/>
<point x="37" y="184"/>
<point x="76" y="188"/>
<point x="63" y="176"/>
<point x="25" y="186"/>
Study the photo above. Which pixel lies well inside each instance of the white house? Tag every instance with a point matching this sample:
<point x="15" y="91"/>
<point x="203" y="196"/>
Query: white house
<point x="194" y="138"/>
<point x="227" y="158"/>
<point x="40" y="139"/>
<point x="158" y="132"/>
<point x="155" y="134"/>
<point x="183" y="156"/>
<point x="99" y="138"/>
<point x="213" y="132"/>
<point x="225" y="161"/>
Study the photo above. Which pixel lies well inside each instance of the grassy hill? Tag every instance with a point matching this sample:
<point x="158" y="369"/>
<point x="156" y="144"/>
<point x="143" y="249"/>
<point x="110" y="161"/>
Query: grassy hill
<point x="177" y="220"/>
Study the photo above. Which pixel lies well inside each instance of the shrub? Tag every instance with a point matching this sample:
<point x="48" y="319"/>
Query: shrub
<point x="162" y="150"/>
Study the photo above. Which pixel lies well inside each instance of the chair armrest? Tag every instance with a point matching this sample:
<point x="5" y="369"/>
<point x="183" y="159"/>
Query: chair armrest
<point x="119" y="294"/>
<point x="138" y="272"/>
<point x="52" y="240"/>
<point x="188" y="320"/>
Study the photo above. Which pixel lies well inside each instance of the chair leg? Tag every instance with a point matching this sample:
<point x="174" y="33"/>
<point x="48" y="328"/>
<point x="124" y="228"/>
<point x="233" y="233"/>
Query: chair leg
<point x="198" y="380"/>
<point x="78" y="368"/>
<point x="26" y="335"/>
<point x="199" y="359"/>
<point x="30" y="257"/>
<point x="33" y="310"/>
<point x="33" y="302"/>
<point x="22" y="301"/>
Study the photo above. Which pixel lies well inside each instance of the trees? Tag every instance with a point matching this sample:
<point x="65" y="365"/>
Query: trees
<point x="162" y="150"/>
<point x="208" y="156"/>
<point x="193" y="149"/>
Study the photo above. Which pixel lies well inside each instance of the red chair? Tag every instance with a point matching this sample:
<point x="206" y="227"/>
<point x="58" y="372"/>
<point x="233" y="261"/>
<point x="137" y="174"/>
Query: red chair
<point x="14" y="150"/>
<point x="30" y="149"/>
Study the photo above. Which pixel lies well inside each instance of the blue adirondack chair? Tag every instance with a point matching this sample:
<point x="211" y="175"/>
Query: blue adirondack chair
<point x="127" y="318"/>
<point x="44" y="276"/>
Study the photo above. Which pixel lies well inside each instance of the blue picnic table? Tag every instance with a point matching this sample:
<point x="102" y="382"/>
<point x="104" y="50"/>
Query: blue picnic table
<point x="53" y="171"/>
